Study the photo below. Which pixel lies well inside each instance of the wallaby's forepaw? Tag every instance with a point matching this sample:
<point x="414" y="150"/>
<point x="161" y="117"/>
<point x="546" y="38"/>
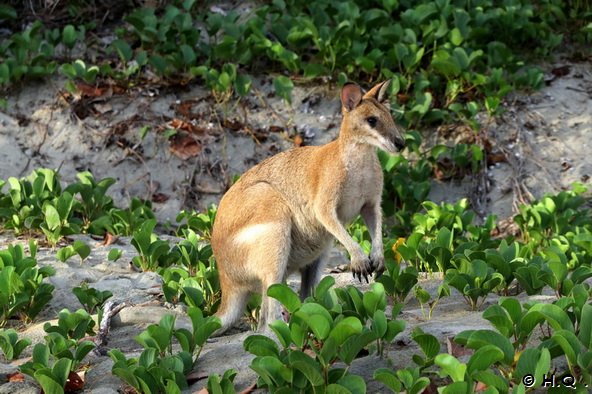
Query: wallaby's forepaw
<point x="362" y="268"/>
<point x="377" y="265"/>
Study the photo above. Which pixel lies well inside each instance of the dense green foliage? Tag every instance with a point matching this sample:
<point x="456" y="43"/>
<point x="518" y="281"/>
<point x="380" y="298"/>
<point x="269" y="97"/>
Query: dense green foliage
<point x="445" y="57"/>
<point x="552" y="251"/>
<point x="23" y="292"/>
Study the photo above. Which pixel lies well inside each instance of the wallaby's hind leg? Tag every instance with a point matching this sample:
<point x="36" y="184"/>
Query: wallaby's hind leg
<point x="232" y="307"/>
<point x="251" y="248"/>
<point x="274" y="265"/>
<point x="309" y="275"/>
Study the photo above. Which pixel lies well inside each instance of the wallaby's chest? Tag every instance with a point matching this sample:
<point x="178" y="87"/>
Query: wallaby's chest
<point x="362" y="184"/>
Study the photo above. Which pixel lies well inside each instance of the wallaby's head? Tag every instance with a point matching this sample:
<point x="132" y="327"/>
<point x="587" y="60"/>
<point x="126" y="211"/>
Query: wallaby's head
<point x="368" y="119"/>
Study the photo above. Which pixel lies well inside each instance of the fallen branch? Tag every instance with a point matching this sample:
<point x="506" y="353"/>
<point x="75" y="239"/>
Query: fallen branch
<point x="110" y="309"/>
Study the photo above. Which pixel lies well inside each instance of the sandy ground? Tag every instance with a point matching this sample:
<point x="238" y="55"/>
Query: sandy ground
<point x="544" y="135"/>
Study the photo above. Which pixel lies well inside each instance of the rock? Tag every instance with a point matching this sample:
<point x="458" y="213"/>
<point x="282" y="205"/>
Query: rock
<point x="100" y="380"/>
<point x="19" y="388"/>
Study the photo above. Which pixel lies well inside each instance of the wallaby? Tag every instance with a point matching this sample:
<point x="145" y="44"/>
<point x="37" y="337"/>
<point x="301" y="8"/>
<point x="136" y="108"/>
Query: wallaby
<point x="283" y="214"/>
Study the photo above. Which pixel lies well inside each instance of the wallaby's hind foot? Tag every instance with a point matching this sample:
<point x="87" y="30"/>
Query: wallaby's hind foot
<point x="231" y="308"/>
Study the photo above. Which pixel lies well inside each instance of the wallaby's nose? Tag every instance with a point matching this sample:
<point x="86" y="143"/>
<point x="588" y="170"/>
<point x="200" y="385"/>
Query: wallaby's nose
<point x="399" y="143"/>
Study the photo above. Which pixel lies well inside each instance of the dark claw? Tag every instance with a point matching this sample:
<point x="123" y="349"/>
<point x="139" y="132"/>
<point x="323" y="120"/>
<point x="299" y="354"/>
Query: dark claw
<point x="366" y="277"/>
<point x="378" y="273"/>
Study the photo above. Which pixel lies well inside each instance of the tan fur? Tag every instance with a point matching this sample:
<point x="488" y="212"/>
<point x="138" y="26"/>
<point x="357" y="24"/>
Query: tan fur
<point x="283" y="214"/>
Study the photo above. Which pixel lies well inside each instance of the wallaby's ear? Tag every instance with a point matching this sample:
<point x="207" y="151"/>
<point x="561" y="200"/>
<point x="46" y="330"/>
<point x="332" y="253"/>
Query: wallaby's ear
<point x="379" y="92"/>
<point x="351" y="95"/>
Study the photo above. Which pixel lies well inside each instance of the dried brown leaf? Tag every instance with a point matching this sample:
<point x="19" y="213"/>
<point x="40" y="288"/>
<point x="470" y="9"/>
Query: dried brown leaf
<point x="233" y="124"/>
<point x="109" y="239"/>
<point x="249" y="389"/>
<point x="185" y="147"/>
<point x="90" y="90"/>
<point x="185" y="109"/>
<point x="16" y="377"/>
<point x="185" y="126"/>
<point x="159" y="198"/>
<point x="73" y="383"/>
<point x="457" y="350"/>
<point x="561" y="71"/>
<point x="275" y="129"/>
<point x="498" y="157"/>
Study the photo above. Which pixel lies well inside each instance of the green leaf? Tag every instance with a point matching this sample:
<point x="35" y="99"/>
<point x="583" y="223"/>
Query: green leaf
<point x="242" y="84"/>
<point x="205" y="331"/>
<point x="335" y="388"/>
<point x="260" y="345"/>
<point x="377" y="301"/>
<point x="282" y="331"/>
<point x="394" y="327"/>
<point x="323" y="287"/>
<point x="444" y="238"/>
<point x="451" y="367"/>
<point x="4" y="74"/>
<point x="285" y="295"/>
<point x="346" y="328"/>
<point x="82" y="249"/>
<point x="69" y="36"/>
<point x="283" y="87"/>
<point x="159" y="64"/>
<point x="48" y="382"/>
<point x="569" y="343"/>
<point x="271" y="370"/>
<point x="7" y="12"/>
<point x="83" y="349"/>
<point x="500" y="319"/>
<point x="188" y="53"/>
<point x="32" y="248"/>
<point x="390" y="5"/>
<point x="123" y="49"/>
<point x="63" y="254"/>
<point x="352" y="346"/>
<point x="320" y="326"/>
<point x="188" y="4"/>
<point x="585" y="331"/>
<point x="355" y="384"/>
<point x="552" y="314"/>
<point x="479" y="338"/>
<point x="61" y="370"/>
<point x="308" y="366"/>
<point x="534" y="362"/>
<point x="52" y="217"/>
<point x="379" y="323"/>
<point x="388" y="378"/>
<point x="313" y="70"/>
<point x="114" y="254"/>
<point x="427" y="342"/>
<point x="483" y="358"/>
<point x="224" y="82"/>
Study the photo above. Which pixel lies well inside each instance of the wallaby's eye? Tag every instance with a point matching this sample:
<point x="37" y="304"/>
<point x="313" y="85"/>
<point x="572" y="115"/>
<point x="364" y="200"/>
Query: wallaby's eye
<point x="372" y="120"/>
